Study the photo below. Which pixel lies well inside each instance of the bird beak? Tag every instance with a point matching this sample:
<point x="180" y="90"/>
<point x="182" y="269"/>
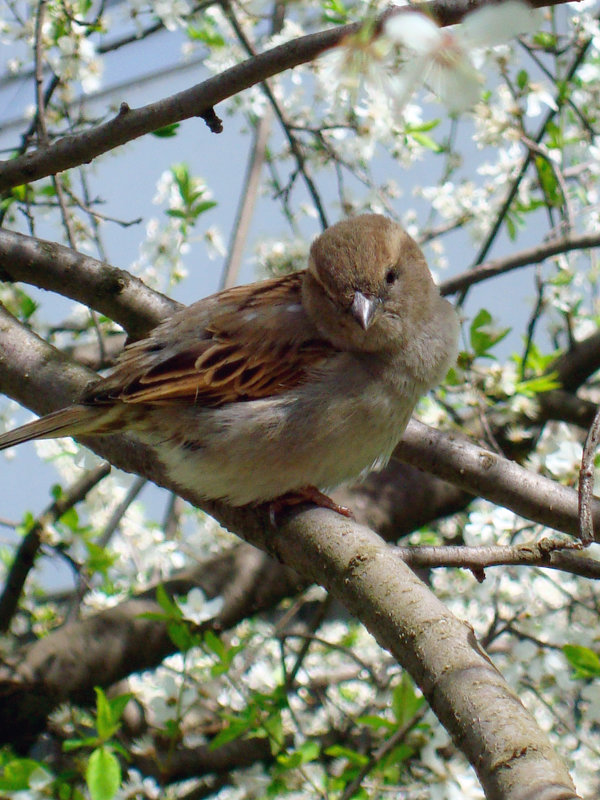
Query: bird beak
<point x="363" y="309"/>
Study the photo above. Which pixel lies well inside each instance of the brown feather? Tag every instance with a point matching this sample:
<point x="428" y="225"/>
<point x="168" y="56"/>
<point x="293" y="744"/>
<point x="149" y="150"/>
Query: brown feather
<point x="68" y="421"/>
<point x="218" y="352"/>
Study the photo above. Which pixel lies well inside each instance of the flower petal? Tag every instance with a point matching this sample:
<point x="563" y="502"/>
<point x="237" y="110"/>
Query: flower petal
<point x="458" y="85"/>
<point x="407" y="81"/>
<point x="413" y="30"/>
<point x="495" y="24"/>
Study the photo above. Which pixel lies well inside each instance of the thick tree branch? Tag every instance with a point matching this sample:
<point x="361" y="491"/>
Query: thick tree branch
<point x="576" y="365"/>
<point x="31" y="372"/>
<point x="561" y="405"/>
<point x="475" y="469"/>
<point x="440" y="652"/>
<point x="486" y="720"/>
<point x="130" y="124"/>
<point x="138" y="308"/>
<point x="111" y="291"/>
<point x="587" y="474"/>
<point x="107" y="647"/>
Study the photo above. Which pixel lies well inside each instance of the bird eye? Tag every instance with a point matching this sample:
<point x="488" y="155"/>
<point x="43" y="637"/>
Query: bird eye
<point x="390" y="277"/>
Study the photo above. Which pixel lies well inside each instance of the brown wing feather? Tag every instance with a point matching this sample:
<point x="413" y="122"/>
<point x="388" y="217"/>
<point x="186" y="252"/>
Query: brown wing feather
<point x="220" y="350"/>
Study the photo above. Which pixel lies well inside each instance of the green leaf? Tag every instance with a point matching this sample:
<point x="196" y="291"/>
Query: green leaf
<point x="563" y="277"/>
<point x="15" y="775"/>
<point x="70" y="519"/>
<point x="206" y="33"/>
<point x="429" y="125"/>
<point x="548" y="182"/>
<point x="200" y="208"/>
<point x="235" y="729"/>
<point x="74" y="744"/>
<point x="307" y="752"/>
<point x="118" y="704"/>
<point x="21" y="192"/>
<point x="105" y="722"/>
<point x="168" y="605"/>
<point x="335" y="11"/>
<point x="167" y="131"/>
<point x="181" y="175"/>
<point x="177" y="213"/>
<point x="405" y="701"/>
<point x="153" y="615"/>
<point x="100" y="559"/>
<point x="483" y="336"/>
<point x="546" y="40"/>
<point x="213" y="643"/>
<point x="182" y="636"/>
<point x="47" y="191"/>
<point x="535" y="386"/>
<point x="273" y="727"/>
<point x="426" y="141"/>
<point x="375" y="722"/>
<point x="556" y="137"/>
<point x="401" y="753"/>
<point x="64" y="792"/>
<point x="522" y="79"/>
<point x="225" y="654"/>
<point x="339" y="751"/>
<point x="584" y="661"/>
<point x="103" y="774"/>
<point x="117" y="747"/>
<point x="25" y="305"/>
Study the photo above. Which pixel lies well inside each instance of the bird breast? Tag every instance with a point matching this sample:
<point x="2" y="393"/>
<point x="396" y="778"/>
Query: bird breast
<point x="324" y="433"/>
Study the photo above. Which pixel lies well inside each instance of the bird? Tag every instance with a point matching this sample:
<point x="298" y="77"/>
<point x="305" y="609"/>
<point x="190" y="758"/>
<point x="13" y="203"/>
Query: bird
<point x="278" y="391"/>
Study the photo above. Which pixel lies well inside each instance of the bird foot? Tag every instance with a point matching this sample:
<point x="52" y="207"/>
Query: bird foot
<point x="306" y="494"/>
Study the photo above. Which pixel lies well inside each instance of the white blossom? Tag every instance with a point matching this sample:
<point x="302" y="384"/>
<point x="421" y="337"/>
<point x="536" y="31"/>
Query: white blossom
<point x="443" y="57"/>
<point x="198" y="609"/>
<point x="171" y="12"/>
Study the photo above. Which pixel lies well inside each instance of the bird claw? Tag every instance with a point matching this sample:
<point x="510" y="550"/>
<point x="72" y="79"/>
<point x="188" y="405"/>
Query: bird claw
<point x="307" y="494"/>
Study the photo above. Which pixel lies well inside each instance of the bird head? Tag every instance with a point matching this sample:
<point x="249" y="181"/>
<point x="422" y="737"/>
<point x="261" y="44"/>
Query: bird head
<point x="367" y="286"/>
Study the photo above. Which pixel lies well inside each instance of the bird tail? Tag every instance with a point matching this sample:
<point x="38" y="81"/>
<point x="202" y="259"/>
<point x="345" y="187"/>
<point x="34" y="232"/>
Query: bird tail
<point x="66" y="422"/>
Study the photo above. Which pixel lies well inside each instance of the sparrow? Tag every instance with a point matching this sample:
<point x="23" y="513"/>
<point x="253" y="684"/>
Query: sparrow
<point x="279" y="390"/>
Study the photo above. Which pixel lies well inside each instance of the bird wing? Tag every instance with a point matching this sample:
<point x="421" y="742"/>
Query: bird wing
<point x="241" y="344"/>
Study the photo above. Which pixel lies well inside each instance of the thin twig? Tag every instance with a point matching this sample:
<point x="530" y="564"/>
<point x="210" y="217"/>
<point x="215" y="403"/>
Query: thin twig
<point x="28" y="549"/>
<point x="548" y="553"/>
<point x="248" y="197"/>
<point x="395" y="739"/>
<point x="103" y="540"/>
<point x="537" y="147"/>
<point x="315" y="624"/>
<point x="524" y="258"/>
<point x="540" y="286"/>
<point x="489" y="240"/>
<point x="249" y="190"/>
<point x="292" y="140"/>
<point x="117" y="515"/>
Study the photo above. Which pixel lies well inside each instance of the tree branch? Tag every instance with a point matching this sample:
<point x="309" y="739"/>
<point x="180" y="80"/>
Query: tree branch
<point x="27" y="551"/>
<point x="68" y="662"/>
<point x="481" y="472"/>
<point x="546" y="553"/>
<point x="486" y="720"/>
<point x="525" y="258"/>
<point x="131" y="123"/>
<point x="111" y="291"/>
